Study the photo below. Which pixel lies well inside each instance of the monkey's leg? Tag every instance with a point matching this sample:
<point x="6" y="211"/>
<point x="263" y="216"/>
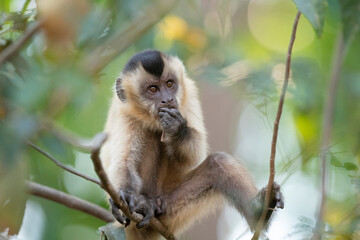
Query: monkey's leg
<point x="220" y="176"/>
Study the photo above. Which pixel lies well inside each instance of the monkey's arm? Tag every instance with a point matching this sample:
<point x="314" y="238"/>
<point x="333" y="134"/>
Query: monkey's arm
<point x="182" y="141"/>
<point x="137" y="202"/>
<point x="120" y="158"/>
<point x="219" y="176"/>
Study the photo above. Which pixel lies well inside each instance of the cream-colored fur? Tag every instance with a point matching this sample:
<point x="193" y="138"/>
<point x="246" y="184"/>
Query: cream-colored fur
<point x="126" y="123"/>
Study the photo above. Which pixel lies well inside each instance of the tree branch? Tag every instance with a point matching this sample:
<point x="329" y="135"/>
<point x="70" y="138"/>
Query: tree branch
<point x="80" y="143"/>
<point x="96" y="144"/>
<point x="69" y="201"/>
<point x="16" y="46"/>
<point x="59" y="164"/>
<point x="105" y="53"/>
<point x="328" y="115"/>
<point x="260" y="223"/>
<point x="83" y="144"/>
<point x="109" y="188"/>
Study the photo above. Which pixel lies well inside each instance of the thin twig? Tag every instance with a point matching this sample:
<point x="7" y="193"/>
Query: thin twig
<point x="25" y="6"/>
<point x="328" y="115"/>
<point x="80" y="143"/>
<point x="69" y="201"/>
<point x="59" y="164"/>
<point x="260" y="223"/>
<point x="16" y="46"/>
<point x="109" y="188"/>
<point x="121" y="40"/>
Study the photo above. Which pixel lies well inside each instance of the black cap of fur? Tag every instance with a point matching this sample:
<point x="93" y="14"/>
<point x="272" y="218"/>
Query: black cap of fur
<point x="150" y="59"/>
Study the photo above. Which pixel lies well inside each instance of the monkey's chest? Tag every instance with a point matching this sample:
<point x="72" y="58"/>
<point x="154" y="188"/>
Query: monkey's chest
<point x="158" y="171"/>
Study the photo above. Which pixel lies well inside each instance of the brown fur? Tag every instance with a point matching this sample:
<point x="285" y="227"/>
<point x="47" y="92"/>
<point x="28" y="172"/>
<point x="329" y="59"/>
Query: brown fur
<point x="189" y="184"/>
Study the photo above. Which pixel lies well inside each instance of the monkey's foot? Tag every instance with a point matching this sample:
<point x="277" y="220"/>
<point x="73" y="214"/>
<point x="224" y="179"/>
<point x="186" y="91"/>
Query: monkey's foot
<point x="141" y="204"/>
<point x="276" y="197"/>
<point x="118" y="215"/>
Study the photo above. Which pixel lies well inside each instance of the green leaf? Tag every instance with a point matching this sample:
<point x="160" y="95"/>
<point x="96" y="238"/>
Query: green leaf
<point x="4" y="5"/>
<point x="350" y="166"/>
<point x="13" y="133"/>
<point x="347" y="165"/>
<point x="335" y="162"/>
<point x="350" y="15"/>
<point x="12" y="196"/>
<point x="92" y="30"/>
<point x="314" y="11"/>
<point x="112" y="232"/>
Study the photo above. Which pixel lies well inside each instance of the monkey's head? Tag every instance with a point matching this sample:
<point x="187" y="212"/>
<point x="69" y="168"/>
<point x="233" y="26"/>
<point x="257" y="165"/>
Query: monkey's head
<point x="150" y="81"/>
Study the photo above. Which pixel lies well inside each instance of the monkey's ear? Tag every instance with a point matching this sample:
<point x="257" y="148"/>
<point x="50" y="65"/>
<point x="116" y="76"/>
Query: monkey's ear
<point x="119" y="90"/>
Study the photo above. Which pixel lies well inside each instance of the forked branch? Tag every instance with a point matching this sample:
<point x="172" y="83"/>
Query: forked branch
<point x="109" y="188"/>
<point x="17" y="45"/>
<point x="59" y="164"/>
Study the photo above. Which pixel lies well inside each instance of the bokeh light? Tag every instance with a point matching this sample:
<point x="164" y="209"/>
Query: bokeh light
<point x="270" y="21"/>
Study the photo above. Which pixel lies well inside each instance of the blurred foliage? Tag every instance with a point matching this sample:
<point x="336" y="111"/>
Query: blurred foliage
<point x="236" y="44"/>
<point x="314" y="11"/>
<point x="109" y="232"/>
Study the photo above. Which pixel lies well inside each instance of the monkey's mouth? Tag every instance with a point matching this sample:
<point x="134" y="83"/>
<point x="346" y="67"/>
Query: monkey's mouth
<point x="167" y="106"/>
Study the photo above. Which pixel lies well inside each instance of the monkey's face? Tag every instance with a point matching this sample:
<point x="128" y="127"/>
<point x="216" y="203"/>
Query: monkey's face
<point x="160" y="93"/>
<point x="151" y="81"/>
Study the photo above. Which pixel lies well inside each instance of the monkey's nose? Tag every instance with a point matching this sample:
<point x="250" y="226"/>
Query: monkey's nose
<point x="167" y="100"/>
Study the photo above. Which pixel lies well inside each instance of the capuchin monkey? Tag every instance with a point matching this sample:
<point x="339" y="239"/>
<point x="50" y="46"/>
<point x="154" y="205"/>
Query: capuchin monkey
<point x="156" y="153"/>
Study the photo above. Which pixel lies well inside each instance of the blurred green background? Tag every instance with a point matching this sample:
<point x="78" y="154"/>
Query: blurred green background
<point x="62" y="79"/>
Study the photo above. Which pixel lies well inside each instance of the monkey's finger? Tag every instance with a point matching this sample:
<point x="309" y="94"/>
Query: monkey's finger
<point x="116" y="213"/>
<point x="145" y="220"/>
<point x="160" y="201"/>
<point x="123" y="196"/>
<point x="172" y="112"/>
<point x="127" y="222"/>
<point x="276" y="186"/>
<point x="176" y="113"/>
<point x="164" y="109"/>
<point x="165" y="117"/>
<point x="278" y="195"/>
<point x="280" y="202"/>
<point x="113" y="204"/>
<point x="166" y="120"/>
<point x="131" y="204"/>
<point x="120" y="218"/>
<point x="158" y="211"/>
<point x="164" y="114"/>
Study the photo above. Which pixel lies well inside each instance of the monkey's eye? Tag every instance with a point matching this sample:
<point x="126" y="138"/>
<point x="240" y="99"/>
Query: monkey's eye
<point x="170" y="83"/>
<point x="153" y="89"/>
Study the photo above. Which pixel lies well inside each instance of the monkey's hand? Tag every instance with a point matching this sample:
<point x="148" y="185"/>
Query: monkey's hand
<point x="276" y="197"/>
<point x="173" y="122"/>
<point x="276" y="200"/>
<point x="119" y="216"/>
<point x="141" y="204"/>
